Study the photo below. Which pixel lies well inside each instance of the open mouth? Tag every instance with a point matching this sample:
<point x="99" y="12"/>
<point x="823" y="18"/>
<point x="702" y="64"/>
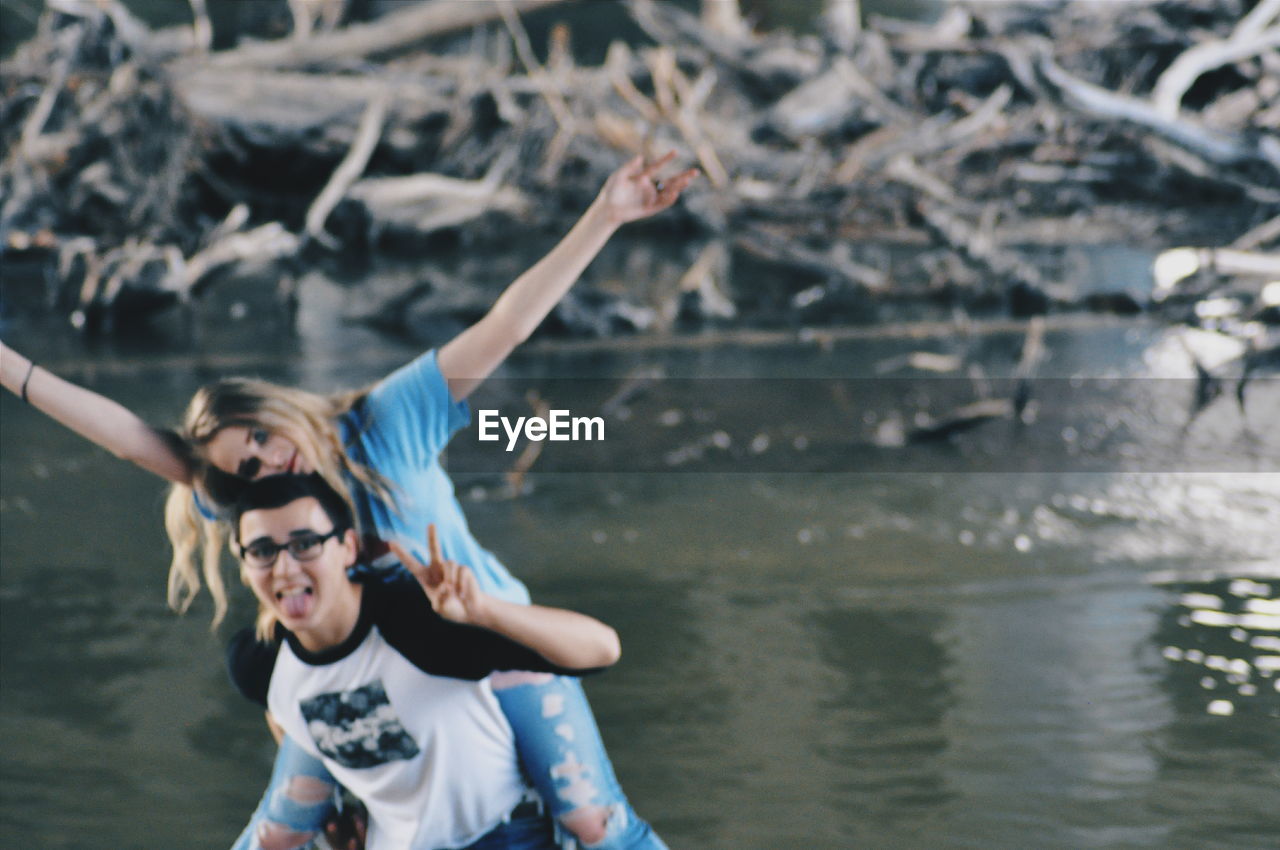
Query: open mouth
<point x="295" y="603"/>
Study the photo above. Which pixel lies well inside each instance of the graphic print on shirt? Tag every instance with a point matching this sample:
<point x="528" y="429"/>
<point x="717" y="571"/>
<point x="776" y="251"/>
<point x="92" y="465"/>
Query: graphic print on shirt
<point x="358" y="728"/>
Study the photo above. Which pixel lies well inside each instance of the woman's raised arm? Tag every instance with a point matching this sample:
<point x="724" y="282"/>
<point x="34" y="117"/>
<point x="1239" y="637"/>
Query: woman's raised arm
<point x="94" y="417"/>
<point x="632" y="192"/>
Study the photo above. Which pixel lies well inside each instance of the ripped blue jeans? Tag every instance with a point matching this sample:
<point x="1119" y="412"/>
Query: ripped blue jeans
<point x="560" y="752"/>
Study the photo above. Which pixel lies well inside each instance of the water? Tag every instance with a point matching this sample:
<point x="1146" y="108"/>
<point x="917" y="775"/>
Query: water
<point x="940" y="658"/>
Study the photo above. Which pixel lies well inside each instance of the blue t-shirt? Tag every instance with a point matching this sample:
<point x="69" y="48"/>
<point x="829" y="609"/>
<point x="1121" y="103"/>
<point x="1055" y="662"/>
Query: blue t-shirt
<point x="398" y="431"/>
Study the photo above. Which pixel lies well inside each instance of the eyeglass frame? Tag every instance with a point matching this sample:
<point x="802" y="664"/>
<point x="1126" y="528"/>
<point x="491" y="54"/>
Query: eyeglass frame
<point x="336" y="531"/>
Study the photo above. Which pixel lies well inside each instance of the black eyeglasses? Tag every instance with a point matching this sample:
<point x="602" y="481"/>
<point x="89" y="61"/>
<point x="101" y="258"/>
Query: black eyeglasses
<point x="261" y="554"/>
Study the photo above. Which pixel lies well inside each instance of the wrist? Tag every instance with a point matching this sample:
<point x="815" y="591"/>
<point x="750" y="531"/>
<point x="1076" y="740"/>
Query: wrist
<point x="13" y="367"/>
<point x="600" y="216"/>
<point x="485" y="611"/>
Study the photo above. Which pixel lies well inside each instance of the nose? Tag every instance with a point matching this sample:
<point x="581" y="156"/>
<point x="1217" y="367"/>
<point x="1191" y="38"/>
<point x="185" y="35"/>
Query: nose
<point x="286" y="564"/>
<point x="269" y="460"/>
<point x="279" y="458"/>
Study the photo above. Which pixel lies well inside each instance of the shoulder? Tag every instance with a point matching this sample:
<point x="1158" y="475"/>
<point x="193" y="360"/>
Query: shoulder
<point x="386" y="585"/>
<point x="420" y="377"/>
<point x="410" y="412"/>
<point x="399" y="607"/>
<point x="250" y="663"/>
<point x="393" y="598"/>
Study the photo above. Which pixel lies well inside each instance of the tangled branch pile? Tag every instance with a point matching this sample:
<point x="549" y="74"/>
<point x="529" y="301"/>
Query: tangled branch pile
<point x="139" y="163"/>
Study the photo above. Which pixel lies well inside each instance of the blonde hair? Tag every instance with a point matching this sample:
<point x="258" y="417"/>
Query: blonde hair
<point x="307" y="419"/>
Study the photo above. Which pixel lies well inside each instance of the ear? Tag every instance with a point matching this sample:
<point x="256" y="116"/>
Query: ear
<point x="352" y="546"/>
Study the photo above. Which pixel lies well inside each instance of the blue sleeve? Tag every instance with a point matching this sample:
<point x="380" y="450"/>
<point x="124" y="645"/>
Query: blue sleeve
<point x="410" y="415"/>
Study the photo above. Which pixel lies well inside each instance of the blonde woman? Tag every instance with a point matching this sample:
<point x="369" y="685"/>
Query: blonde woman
<point x="380" y="449"/>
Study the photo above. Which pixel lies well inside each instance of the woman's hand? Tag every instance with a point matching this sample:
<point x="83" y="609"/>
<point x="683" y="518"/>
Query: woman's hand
<point x="450" y="587"/>
<point x="565" y="638"/>
<point x="633" y="191"/>
<point x="637" y="191"/>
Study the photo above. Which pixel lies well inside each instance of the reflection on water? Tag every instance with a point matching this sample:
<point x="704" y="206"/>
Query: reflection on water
<point x="1222" y="637"/>
<point x="82" y="621"/>
<point x="935" y="659"/>
<point x="886" y="731"/>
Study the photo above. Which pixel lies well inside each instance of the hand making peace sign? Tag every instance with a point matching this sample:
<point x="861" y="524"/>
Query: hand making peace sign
<point x="450" y="587"/>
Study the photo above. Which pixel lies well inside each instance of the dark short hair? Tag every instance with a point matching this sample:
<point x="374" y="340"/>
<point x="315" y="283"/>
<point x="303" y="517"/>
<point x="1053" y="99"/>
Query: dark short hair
<point x="223" y="488"/>
<point x="276" y="491"/>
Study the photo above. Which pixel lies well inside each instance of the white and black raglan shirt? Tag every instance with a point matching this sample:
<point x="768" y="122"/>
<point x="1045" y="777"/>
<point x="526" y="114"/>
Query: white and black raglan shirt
<point x="401" y="713"/>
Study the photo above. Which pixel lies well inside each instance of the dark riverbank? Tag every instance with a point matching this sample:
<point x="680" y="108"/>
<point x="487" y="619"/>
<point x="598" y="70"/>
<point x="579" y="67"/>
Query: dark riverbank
<point x="904" y="172"/>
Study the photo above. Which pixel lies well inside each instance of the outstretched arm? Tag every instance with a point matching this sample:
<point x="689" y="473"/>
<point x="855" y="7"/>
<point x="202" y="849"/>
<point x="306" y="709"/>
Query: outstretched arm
<point x="94" y="417"/>
<point x="565" y="638"/>
<point x="631" y="192"/>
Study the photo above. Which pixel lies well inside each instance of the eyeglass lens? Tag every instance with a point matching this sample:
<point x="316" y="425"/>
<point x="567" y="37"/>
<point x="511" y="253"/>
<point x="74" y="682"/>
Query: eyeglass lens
<point x="303" y="547"/>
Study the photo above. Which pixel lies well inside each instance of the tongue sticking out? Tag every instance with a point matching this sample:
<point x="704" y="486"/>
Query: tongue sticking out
<point x="296" y="605"/>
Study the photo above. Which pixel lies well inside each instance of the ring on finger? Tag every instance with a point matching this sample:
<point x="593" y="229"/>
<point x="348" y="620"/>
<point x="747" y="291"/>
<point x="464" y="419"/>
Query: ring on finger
<point x="657" y="184"/>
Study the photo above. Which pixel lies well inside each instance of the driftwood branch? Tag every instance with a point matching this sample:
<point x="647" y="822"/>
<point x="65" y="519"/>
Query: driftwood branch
<point x="260" y="246"/>
<point x="969" y="139"/>
<point x="394" y="31"/>
<point x="423" y="203"/>
<point x="1174" y="82"/>
<point x="1264" y="234"/>
<point x="766" y="243"/>
<point x="347" y="172"/>
<point x="844" y="22"/>
<point x="201" y="28"/>
<point x="1217" y="147"/>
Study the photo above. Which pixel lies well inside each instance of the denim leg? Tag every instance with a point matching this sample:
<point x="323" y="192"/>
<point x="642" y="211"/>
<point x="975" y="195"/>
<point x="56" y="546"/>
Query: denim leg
<point x="560" y="749"/>
<point x="295" y="805"/>
<point x="525" y="833"/>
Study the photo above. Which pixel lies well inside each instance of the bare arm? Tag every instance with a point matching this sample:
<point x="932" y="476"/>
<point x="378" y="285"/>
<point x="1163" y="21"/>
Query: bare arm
<point x="565" y="638"/>
<point x="631" y="192"/>
<point x="94" y="417"/>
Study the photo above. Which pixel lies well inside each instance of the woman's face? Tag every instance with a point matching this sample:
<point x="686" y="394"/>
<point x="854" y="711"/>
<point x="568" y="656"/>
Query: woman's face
<point x="251" y="451"/>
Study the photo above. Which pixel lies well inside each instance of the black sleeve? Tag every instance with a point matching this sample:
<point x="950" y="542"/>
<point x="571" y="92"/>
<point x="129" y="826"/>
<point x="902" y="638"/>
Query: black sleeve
<point x="250" y="664"/>
<point x="434" y="645"/>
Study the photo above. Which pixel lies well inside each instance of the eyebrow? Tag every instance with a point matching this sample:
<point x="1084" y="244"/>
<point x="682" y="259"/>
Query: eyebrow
<point x="297" y="532"/>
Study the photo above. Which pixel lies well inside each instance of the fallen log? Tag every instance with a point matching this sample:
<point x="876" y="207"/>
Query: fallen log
<point x="424" y="203"/>
<point x="977" y="245"/>
<point x="900" y="132"/>
<point x="834" y="263"/>
<point x="1172" y="268"/>
<point x="394" y="31"/>
<point x="934" y="134"/>
<point x="283" y="109"/>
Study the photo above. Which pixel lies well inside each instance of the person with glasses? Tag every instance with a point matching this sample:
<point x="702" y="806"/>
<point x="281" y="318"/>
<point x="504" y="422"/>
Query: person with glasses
<point x="382" y="675"/>
<point x="381" y="447"/>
